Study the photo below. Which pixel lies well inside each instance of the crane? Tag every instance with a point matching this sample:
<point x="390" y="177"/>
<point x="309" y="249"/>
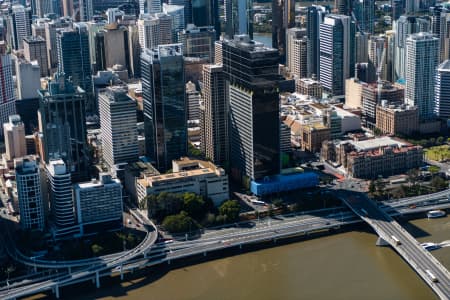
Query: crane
<point x="379" y="69"/>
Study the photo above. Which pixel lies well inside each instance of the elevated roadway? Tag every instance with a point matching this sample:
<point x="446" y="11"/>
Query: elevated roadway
<point x="425" y="264"/>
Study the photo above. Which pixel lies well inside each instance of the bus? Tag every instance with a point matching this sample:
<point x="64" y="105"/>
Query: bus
<point x="396" y="240"/>
<point x="431" y="275"/>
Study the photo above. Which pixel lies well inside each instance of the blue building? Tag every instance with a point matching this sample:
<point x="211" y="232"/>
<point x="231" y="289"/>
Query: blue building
<point x="284" y="183"/>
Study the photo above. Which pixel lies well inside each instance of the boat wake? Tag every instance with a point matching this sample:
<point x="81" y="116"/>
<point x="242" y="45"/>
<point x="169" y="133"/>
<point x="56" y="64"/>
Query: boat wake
<point x="445" y="243"/>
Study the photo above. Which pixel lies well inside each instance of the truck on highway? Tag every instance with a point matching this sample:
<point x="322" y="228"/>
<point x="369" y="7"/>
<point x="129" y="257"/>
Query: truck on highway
<point x="431" y="275"/>
<point x="396" y="240"/>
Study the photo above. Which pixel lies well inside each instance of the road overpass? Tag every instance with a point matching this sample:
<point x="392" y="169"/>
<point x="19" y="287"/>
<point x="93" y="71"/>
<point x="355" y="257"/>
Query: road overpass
<point x="392" y="233"/>
<point x="212" y="240"/>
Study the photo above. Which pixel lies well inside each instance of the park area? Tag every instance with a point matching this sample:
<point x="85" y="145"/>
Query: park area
<point x="438" y="153"/>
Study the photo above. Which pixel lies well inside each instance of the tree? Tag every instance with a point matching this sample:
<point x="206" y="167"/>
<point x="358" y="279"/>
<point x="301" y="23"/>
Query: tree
<point x="194" y="205"/>
<point x="230" y="209"/>
<point x="438" y="183"/>
<point x="434" y="169"/>
<point x="413" y="176"/>
<point x="96" y="249"/>
<point x="179" y="223"/>
<point x="372" y="188"/>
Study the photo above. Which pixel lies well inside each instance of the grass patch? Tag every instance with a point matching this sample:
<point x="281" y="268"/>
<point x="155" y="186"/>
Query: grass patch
<point x="438" y="153"/>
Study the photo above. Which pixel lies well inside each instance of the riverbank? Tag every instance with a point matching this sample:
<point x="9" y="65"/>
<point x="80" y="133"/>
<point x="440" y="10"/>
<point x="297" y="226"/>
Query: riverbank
<point x="339" y="245"/>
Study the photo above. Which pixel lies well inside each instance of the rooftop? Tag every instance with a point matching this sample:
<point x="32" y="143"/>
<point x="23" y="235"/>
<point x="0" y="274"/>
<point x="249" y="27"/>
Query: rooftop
<point x="375" y="143"/>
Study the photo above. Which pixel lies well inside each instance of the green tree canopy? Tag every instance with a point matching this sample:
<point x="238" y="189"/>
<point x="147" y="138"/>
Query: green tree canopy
<point x="179" y="223"/>
<point x="230" y="209"/>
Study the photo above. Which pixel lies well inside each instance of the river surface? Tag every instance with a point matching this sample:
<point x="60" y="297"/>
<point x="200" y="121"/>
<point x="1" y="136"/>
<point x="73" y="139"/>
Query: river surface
<point x="345" y="266"/>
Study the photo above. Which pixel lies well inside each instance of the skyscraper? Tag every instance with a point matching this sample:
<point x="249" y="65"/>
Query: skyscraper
<point x="187" y="9"/>
<point x="177" y="13"/>
<point x="283" y="18"/>
<point x="198" y="42"/>
<point x="438" y="27"/>
<point x="118" y="126"/>
<point x="315" y="16"/>
<point x="297" y="53"/>
<point x="238" y="17"/>
<point x="251" y="71"/>
<point x="20" y="25"/>
<point x="149" y="6"/>
<point x="343" y="7"/>
<point x="60" y="193"/>
<point x="73" y="59"/>
<point x="35" y="48"/>
<point x="155" y="30"/>
<point x="442" y="91"/>
<point x="63" y="124"/>
<point x="14" y="132"/>
<point x="7" y="98"/>
<point x="404" y="26"/>
<point x="364" y="12"/>
<point x="337" y="53"/>
<point x="163" y="89"/>
<point x="214" y="115"/>
<point x="29" y="194"/>
<point x="86" y="10"/>
<point x="422" y="50"/>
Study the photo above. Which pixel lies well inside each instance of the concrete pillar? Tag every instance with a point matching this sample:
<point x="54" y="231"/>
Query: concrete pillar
<point x="57" y="291"/>
<point x="97" y="279"/>
<point x="69" y="269"/>
<point x="240" y="246"/>
<point x="168" y="262"/>
<point x="121" y="272"/>
<point x="381" y="242"/>
<point x="274" y="241"/>
<point x="204" y="253"/>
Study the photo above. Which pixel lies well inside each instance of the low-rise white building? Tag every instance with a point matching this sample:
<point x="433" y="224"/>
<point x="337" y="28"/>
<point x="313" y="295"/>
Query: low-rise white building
<point x="196" y="176"/>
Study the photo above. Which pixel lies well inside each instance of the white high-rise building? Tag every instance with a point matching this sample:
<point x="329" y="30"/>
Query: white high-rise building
<point x="14" y="132"/>
<point x="28" y="181"/>
<point x="336" y="52"/>
<point x="20" y="23"/>
<point x="296" y="49"/>
<point x="155" y="30"/>
<point x="403" y="27"/>
<point x="7" y="98"/>
<point x="442" y="90"/>
<point x="118" y="126"/>
<point x="422" y="58"/>
<point x="60" y="193"/>
<point x="28" y="78"/>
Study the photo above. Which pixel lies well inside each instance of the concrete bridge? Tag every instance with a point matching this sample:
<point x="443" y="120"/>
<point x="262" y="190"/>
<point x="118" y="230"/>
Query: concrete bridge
<point x="393" y="234"/>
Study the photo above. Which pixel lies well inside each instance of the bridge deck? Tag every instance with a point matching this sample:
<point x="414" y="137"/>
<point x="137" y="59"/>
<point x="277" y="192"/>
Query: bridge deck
<point x="406" y="245"/>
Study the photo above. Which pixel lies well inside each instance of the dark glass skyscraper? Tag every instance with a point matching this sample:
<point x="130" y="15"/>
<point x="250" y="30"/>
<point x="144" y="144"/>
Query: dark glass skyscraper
<point x="72" y="46"/>
<point x="283" y="18"/>
<point x="62" y="112"/>
<point x="315" y="16"/>
<point x="163" y="89"/>
<point x="251" y="72"/>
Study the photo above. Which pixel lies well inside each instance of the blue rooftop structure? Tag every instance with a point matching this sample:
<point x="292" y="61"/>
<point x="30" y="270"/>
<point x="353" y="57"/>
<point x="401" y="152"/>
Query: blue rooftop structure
<point x="283" y="183"/>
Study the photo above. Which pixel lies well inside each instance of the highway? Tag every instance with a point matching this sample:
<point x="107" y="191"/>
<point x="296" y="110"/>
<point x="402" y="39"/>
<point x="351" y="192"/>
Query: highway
<point x="243" y="234"/>
<point x="424" y="263"/>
